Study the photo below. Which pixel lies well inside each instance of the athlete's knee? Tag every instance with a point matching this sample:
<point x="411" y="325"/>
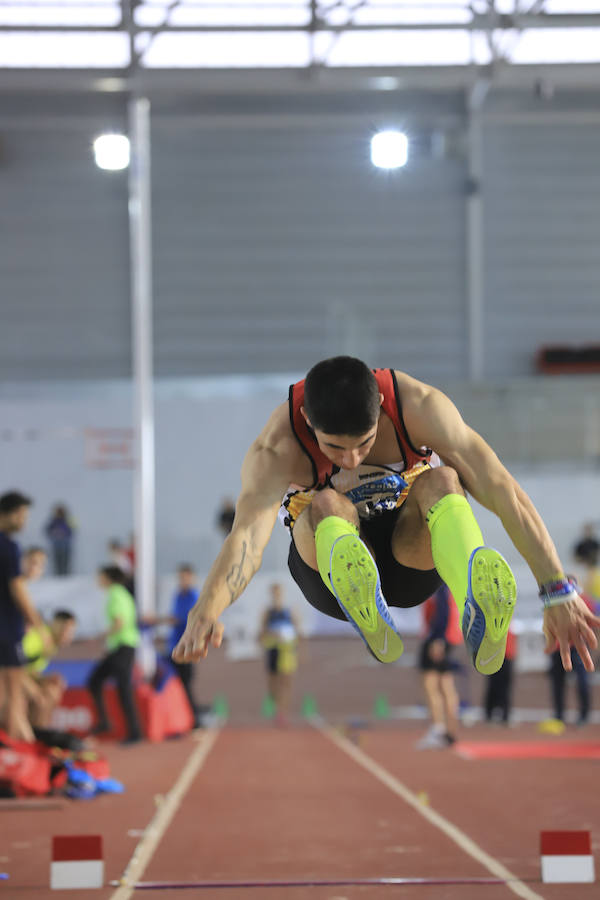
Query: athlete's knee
<point x="330" y="502"/>
<point x="445" y="478"/>
<point x="435" y="484"/>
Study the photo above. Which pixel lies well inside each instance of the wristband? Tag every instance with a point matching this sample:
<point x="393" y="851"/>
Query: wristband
<point x="555" y="593"/>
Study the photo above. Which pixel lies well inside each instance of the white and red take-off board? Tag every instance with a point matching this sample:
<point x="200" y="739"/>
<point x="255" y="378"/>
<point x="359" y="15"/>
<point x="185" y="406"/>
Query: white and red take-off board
<point x="77" y="862"/>
<point x="566" y="857"/>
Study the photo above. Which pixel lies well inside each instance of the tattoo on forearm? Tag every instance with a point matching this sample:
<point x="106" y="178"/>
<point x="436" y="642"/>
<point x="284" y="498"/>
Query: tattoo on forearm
<point x="236" y="580"/>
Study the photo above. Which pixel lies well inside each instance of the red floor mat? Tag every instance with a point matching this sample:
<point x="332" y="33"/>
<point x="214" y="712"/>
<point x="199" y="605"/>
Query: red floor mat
<point x="528" y="750"/>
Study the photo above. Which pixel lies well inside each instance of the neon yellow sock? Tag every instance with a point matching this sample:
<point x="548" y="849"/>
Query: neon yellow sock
<point x="454" y="535"/>
<point x="327" y="531"/>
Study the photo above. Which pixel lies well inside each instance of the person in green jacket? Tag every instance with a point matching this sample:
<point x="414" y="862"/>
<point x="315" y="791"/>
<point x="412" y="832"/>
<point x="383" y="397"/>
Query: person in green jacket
<point x="122" y="637"/>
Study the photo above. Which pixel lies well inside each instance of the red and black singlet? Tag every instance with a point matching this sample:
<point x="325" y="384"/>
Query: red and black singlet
<point x="373" y="489"/>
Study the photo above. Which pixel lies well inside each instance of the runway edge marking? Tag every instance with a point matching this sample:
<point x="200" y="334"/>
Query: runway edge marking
<point x="452" y="831"/>
<point x="154" y="831"/>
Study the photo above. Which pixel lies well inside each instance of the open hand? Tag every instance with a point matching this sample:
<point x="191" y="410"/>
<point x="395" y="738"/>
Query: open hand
<point x="571" y="624"/>
<point x="200" y="632"/>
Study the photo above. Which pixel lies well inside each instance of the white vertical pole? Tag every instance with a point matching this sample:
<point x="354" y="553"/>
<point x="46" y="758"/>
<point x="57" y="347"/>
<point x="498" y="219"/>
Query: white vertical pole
<point x="140" y="236"/>
<point x="475" y="233"/>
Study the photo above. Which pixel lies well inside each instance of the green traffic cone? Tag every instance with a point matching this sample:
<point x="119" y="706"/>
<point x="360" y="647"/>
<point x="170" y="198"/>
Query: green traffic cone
<point x="220" y="706"/>
<point x="269" y="707"/>
<point x="309" y="706"/>
<point x="381" y="708"/>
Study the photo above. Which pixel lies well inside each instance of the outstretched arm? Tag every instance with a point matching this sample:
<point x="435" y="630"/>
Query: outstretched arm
<point x="435" y="421"/>
<point x="264" y="481"/>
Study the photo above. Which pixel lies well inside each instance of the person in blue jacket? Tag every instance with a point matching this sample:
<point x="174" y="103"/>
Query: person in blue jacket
<point x="183" y="601"/>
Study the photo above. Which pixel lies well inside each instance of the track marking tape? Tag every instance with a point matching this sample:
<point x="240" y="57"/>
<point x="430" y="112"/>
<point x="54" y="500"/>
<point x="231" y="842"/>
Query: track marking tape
<point x="163" y="816"/>
<point x="313" y="882"/>
<point x="466" y="844"/>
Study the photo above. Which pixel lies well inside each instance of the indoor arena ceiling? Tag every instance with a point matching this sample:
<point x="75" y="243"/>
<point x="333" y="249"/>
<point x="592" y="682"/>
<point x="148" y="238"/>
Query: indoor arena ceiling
<point x="134" y="35"/>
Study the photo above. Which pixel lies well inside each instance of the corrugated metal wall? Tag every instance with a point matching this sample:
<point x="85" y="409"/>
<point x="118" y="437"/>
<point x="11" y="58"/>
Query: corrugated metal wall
<point x="542" y="247"/>
<point x="64" y="279"/>
<point x="276" y="243"/>
<point x="275" y="247"/>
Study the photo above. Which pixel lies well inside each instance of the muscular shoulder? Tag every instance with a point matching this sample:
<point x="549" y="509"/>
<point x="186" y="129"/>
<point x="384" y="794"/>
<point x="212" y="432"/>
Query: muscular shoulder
<point x="412" y="392"/>
<point x="414" y="397"/>
<point x="277" y="449"/>
<point x="429" y="415"/>
<point x="277" y="437"/>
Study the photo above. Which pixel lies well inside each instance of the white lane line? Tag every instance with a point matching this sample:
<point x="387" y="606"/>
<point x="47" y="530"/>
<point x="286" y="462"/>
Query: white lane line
<point x="452" y="831"/>
<point x="154" y="831"/>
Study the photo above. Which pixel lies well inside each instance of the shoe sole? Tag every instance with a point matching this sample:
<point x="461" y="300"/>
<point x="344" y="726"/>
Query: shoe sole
<point x="355" y="582"/>
<point x="494" y="590"/>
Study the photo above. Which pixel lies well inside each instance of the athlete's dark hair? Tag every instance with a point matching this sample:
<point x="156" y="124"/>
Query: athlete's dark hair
<point x="341" y="396"/>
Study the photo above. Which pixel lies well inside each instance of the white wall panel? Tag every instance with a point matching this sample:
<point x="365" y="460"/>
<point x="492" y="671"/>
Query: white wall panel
<point x="204" y="428"/>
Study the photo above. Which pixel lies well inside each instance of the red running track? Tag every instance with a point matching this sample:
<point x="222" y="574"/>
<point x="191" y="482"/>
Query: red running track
<point x="293" y="805"/>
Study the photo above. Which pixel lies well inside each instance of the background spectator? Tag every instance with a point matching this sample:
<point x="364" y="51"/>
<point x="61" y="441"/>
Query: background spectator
<point x="498" y="690"/>
<point x="183" y="601"/>
<point x="33" y="563"/>
<point x="588" y="544"/>
<point x="39" y="646"/>
<point x="442" y="631"/>
<point x="279" y="635"/>
<point x="121" y="640"/>
<point x="558" y="679"/>
<point x="59" y="531"/>
<point x="129" y="551"/>
<point x="16" y="612"/>
<point x="121" y="557"/>
<point x="591" y="577"/>
<point x="558" y="682"/>
<point x="225" y="516"/>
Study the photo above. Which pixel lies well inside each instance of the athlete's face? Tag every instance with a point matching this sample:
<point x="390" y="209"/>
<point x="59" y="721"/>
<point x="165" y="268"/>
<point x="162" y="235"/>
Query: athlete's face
<point x="345" y="451"/>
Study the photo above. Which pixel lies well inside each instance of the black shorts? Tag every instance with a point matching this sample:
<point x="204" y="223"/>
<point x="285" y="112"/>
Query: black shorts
<point x="426" y="664"/>
<point x="402" y="587"/>
<point x="11" y="655"/>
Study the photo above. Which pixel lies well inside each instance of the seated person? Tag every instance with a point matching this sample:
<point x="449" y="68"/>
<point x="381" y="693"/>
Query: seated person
<point x="40" y="644"/>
